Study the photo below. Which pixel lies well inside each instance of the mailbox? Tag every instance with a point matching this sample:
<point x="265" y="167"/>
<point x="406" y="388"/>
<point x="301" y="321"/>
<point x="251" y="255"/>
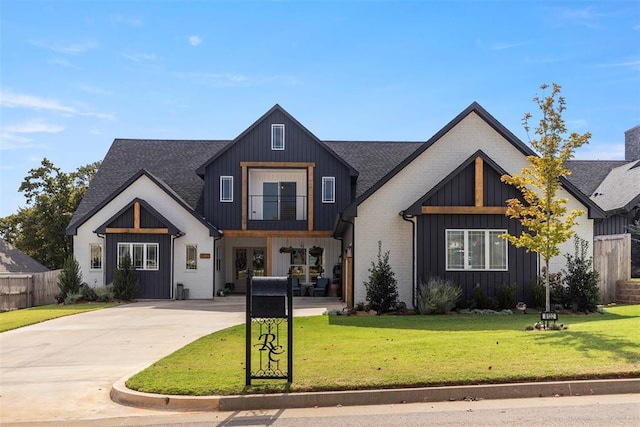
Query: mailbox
<point x="269" y="331"/>
<point x="269" y="296"/>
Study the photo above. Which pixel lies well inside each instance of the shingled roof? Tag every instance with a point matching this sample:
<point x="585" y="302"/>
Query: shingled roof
<point x="172" y="161"/>
<point x="588" y="174"/>
<point x="620" y="190"/>
<point x="14" y="261"/>
<point x="372" y="159"/>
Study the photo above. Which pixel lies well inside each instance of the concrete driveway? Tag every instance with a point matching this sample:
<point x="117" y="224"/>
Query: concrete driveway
<point x="63" y="369"/>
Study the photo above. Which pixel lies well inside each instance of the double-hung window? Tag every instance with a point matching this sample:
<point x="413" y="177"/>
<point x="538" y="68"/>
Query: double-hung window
<point x="328" y="189"/>
<point x="226" y="189"/>
<point x="476" y="250"/>
<point x="144" y="256"/>
<point x="277" y="137"/>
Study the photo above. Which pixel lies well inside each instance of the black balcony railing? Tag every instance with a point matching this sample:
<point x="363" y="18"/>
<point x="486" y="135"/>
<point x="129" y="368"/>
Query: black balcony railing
<point x="277" y="208"/>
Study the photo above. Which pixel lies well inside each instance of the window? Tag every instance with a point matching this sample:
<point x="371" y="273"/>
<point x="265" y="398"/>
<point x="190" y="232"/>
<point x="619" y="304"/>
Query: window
<point x="476" y="250"/>
<point x="328" y="189"/>
<point x="96" y="256"/>
<point x="144" y="256"/>
<point x="226" y="189"/>
<point x="277" y="137"/>
<point x="192" y="257"/>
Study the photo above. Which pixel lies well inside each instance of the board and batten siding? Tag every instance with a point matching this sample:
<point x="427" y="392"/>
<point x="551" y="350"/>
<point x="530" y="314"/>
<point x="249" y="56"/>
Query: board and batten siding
<point x="255" y="146"/>
<point x="200" y="283"/>
<point x="378" y="216"/>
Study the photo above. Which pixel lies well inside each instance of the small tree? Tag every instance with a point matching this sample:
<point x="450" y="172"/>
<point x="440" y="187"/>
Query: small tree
<point x="581" y="278"/>
<point x="542" y="213"/>
<point x="125" y="283"/>
<point x="70" y="278"/>
<point x="382" y="290"/>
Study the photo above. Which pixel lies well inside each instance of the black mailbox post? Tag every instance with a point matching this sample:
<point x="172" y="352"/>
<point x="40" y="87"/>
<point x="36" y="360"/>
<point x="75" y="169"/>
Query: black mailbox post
<point x="269" y="309"/>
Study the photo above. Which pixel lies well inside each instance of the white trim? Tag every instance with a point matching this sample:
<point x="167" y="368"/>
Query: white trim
<point x="186" y="257"/>
<point x="273" y="137"/>
<point x="465" y="250"/>
<point x="145" y="247"/>
<point x="91" y="267"/>
<point x="226" y="178"/>
<point x="332" y="180"/>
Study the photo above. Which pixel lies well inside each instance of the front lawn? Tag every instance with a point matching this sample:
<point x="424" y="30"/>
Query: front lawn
<point x="28" y="316"/>
<point x="343" y="353"/>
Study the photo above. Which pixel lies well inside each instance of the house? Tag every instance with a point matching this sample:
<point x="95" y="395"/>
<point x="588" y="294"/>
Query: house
<point x="22" y="282"/>
<point x="15" y="262"/>
<point x="276" y="199"/>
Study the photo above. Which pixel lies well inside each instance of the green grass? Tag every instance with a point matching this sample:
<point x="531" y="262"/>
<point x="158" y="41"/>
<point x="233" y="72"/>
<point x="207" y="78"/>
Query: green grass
<point x="18" y="318"/>
<point x="343" y="353"/>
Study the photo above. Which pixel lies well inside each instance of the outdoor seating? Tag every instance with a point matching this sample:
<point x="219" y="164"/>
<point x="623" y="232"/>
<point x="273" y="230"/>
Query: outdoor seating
<point x="322" y="287"/>
<point x="295" y="283"/>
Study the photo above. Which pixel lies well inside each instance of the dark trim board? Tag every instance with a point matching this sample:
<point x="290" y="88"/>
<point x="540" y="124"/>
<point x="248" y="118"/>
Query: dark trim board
<point x="431" y="255"/>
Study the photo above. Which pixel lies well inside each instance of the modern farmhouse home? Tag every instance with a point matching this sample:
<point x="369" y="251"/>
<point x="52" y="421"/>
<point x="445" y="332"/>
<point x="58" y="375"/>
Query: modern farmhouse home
<point x="277" y="200"/>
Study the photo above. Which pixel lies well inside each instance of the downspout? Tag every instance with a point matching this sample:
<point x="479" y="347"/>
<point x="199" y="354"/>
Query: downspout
<point x="173" y="250"/>
<point x="104" y="257"/>
<point x="215" y="261"/>
<point x="409" y="218"/>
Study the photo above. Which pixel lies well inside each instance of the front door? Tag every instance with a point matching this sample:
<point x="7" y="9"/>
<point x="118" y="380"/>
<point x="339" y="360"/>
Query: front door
<point x="247" y="261"/>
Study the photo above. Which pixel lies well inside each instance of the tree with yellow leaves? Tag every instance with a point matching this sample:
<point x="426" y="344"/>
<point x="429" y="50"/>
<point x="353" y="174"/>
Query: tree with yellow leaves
<point x="542" y="213"/>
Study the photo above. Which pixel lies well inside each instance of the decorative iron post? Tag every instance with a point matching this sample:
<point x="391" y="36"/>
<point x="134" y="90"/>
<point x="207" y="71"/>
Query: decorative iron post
<point x="269" y="308"/>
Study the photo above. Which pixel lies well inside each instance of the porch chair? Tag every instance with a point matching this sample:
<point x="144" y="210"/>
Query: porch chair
<point x="295" y="284"/>
<point x="322" y="288"/>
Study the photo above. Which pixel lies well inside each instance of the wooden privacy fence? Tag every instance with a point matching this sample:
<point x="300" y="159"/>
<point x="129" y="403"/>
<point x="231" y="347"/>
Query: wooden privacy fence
<point x="612" y="259"/>
<point x="28" y="290"/>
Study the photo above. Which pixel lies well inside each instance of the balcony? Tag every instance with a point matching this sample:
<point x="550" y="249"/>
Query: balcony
<point x="277" y="213"/>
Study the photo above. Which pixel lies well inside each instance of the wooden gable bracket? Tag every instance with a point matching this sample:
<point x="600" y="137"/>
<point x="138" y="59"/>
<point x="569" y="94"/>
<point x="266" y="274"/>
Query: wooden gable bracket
<point x="478" y="208"/>
<point x="136" y="225"/>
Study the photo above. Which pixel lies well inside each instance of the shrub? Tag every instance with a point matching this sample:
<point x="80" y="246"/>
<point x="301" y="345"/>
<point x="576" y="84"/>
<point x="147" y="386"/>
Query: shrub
<point x="581" y="279"/>
<point x="382" y="290"/>
<point x="438" y="296"/>
<point x="507" y="296"/>
<point x="73" y="298"/>
<point x="125" y="283"/>
<point x="87" y="293"/>
<point x="70" y="278"/>
<point x="481" y="301"/>
<point x="558" y="293"/>
<point x="104" y="293"/>
<point x="538" y="294"/>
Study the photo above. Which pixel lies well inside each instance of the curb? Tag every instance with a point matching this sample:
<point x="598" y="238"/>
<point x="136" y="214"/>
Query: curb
<point x="122" y="395"/>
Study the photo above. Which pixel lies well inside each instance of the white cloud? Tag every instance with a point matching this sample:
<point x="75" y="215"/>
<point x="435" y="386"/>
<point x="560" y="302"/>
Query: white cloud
<point x="195" y="40"/>
<point x="17" y="100"/>
<point x="140" y="57"/>
<point x="34" y="126"/>
<point x="633" y="64"/>
<point x="127" y="20"/>
<point x="67" y="49"/>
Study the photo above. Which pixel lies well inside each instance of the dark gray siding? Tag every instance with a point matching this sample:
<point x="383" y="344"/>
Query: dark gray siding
<point x="154" y="284"/>
<point x="147" y="219"/>
<point x="616" y="224"/>
<point x="255" y="146"/>
<point x="431" y="255"/>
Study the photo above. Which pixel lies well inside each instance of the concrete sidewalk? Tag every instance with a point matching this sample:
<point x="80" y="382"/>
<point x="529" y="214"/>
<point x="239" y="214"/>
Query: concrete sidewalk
<point x="64" y="369"/>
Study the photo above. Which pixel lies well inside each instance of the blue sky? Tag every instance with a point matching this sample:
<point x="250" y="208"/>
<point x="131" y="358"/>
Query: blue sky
<point x="76" y="75"/>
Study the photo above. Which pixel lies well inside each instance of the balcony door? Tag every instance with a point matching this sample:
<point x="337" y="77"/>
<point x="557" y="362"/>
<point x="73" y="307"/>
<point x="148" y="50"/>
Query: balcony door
<point x="279" y="201"/>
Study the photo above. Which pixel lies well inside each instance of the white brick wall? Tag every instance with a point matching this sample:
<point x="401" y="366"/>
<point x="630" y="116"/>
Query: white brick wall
<point x="199" y="282"/>
<point x="378" y="216"/>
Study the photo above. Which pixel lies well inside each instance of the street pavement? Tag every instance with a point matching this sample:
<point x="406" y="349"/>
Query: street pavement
<point x="63" y="369"/>
<point x="61" y="372"/>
